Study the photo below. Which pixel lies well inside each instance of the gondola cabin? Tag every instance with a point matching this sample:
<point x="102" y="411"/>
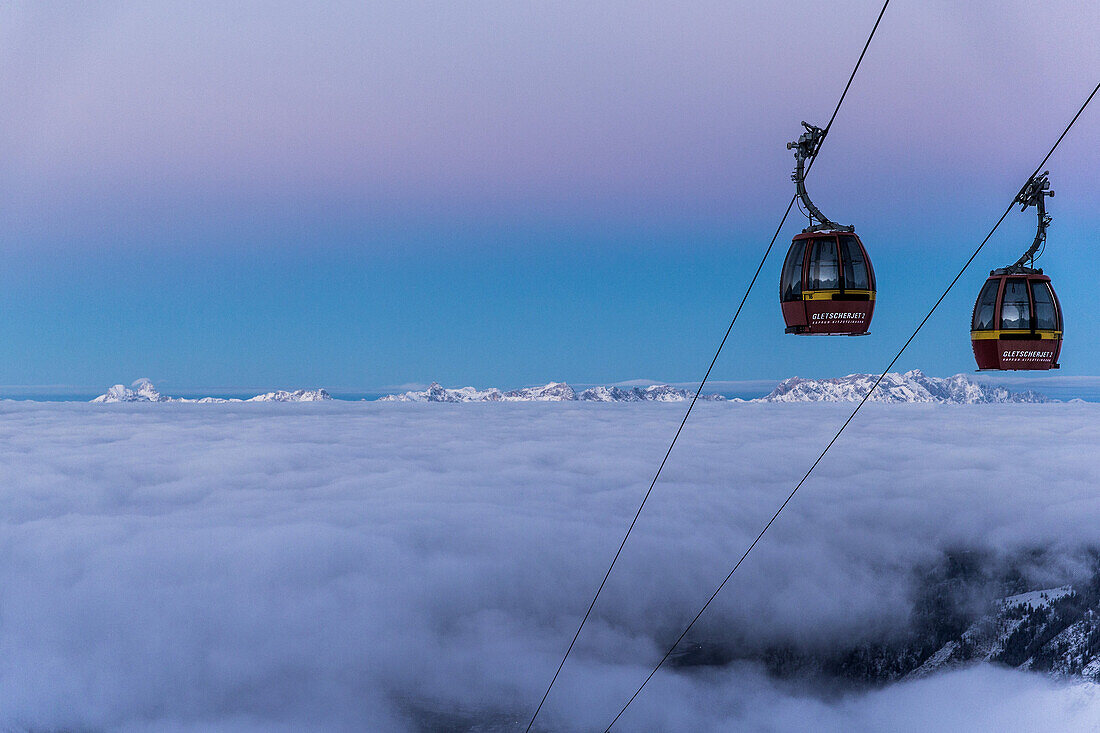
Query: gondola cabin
<point x="827" y="285"/>
<point x="1017" y="321"/>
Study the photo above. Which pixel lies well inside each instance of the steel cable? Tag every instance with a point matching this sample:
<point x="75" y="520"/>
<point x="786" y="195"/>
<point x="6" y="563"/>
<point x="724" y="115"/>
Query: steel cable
<point x="699" y="390"/>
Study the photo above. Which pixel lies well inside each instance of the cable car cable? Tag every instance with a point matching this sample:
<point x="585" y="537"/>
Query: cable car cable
<point x="660" y="468"/>
<point x="850" y="418"/>
<point x="695" y="398"/>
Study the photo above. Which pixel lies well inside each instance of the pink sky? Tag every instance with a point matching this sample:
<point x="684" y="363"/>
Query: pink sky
<point x="575" y="110"/>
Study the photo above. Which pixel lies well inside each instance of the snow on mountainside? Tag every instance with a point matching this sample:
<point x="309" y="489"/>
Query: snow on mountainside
<point x="298" y="395"/>
<point x="912" y="386"/>
<point x="957" y="619"/>
<point x="954" y="623"/>
<point x="1026" y="627"/>
<point x="143" y="390"/>
<point x="652" y="393"/>
<point x="553" y="392"/>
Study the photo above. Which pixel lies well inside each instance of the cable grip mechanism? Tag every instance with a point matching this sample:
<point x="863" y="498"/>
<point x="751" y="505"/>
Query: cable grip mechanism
<point x="1034" y="193"/>
<point x="805" y="149"/>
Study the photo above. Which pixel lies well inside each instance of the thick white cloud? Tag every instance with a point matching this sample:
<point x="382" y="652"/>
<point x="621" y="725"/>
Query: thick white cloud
<point x="411" y="567"/>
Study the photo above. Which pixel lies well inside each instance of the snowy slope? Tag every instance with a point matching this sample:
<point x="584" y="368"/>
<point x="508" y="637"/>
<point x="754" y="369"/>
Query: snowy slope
<point x="912" y="386"/>
<point x="1053" y="630"/>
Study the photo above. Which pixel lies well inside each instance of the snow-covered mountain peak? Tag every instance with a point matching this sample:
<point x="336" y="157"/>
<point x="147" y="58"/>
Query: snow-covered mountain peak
<point x="298" y="395"/>
<point x="436" y="392"/>
<point x="552" y="392"/>
<point x="650" y="393"/>
<point x="608" y="394"/>
<point x="142" y="390"/>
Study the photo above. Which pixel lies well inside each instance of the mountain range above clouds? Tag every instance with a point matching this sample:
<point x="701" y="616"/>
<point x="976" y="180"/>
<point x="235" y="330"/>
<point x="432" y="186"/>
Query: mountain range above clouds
<point x="143" y="390"/>
<point x="552" y="392"/>
<point x="909" y="387"/>
<point x="912" y="386"/>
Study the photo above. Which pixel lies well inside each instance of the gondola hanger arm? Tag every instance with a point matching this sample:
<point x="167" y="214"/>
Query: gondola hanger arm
<point x="805" y="149"/>
<point x="1034" y="193"/>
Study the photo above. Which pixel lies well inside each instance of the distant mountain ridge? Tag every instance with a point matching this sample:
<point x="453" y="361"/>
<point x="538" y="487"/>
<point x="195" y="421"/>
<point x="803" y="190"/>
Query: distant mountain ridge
<point x="142" y="390"/>
<point x="912" y="386"/>
<point x="552" y="392"/>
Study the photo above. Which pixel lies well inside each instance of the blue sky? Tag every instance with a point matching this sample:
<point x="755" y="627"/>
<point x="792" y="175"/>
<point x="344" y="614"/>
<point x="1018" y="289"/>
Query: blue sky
<point x="256" y="197"/>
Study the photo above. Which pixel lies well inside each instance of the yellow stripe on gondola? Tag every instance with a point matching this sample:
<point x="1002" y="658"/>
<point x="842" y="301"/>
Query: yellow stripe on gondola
<point x="828" y="294"/>
<point x="990" y="335"/>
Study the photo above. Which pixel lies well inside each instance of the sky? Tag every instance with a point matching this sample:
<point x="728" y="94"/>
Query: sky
<point x="251" y="196"/>
<point x="389" y="567"/>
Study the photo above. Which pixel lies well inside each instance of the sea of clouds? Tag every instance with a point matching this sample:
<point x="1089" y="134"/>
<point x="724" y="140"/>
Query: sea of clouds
<point x="396" y="567"/>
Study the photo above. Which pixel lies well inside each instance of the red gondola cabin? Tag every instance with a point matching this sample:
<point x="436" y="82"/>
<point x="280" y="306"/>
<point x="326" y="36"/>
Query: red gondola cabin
<point x="827" y="285"/>
<point x="1017" y="321"/>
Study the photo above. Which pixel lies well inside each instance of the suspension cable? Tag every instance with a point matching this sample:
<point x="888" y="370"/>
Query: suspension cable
<point x="862" y="402"/>
<point x="698" y="391"/>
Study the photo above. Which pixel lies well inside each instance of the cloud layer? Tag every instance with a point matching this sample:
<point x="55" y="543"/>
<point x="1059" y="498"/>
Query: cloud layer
<point x="396" y="567"/>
